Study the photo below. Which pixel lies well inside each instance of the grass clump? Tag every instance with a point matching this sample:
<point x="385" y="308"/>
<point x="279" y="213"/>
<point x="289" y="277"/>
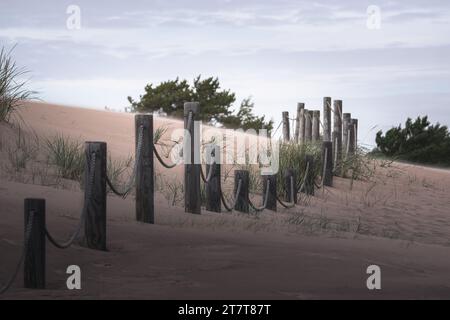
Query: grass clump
<point x="67" y="155"/>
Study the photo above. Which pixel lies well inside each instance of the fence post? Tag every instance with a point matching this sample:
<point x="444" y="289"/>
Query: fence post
<point x="355" y="126"/>
<point x="34" y="264"/>
<point x="213" y="187"/>
<point x="338" y="135"/>
<point x="327" y="119"/>
<point x="351" y="139"/>
<point x="272" y="196"/>
<point x="301" y="136"/>
<point x="285" y="119"/>
<point x="316" y="126"/>
<point x="145" y="203"/>
<point x="346" y="119"/>
<point x="191" y="151"/>
<point x="242" y="204"/>
<point x="300" y="107"/>
<point x="308" y="125"/>
<point x="287" y="185"/>
<point x="94" y="233"/>
<point x="327" y="149"/>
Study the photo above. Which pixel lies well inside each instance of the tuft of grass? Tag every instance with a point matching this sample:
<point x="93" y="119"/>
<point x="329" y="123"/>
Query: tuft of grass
<point x="13" y="89"/>
<point x="67" y="155"/>
<point x="22" y="150"/>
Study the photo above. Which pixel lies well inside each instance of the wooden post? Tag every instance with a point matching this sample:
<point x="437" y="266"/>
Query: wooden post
<point x="327" y="119"/>
<point x="94" y="233"/>
<point x="34" y="264"/>
<point x="286" y="133"/>
<point x="309" y="183"/>
<point x="351" y="139"/>
<point x="145" y="203"/>
<point x="213" y="187"/>
<point x="301" y="133"/>
<point x="355" y="126"/>
<point x="338" y="135"/>
<point x="316" y="126"/>
<point x="300" y="107"/>
<point x="288" y="175"/>
<point x="308" y="125"/>
<point x="272" y="196"/>
<point x="327" y="149"/>
<point x="192" y="200"/>
<point x="242" y="204"/>
<point x="345" y="124"/>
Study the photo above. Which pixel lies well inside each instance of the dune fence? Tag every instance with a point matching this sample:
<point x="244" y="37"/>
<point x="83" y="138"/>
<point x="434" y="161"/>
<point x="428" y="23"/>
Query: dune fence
<point x="91" y="230"/>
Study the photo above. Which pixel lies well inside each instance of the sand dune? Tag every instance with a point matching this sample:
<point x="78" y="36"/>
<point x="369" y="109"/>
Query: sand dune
<point x="398" y="220"/>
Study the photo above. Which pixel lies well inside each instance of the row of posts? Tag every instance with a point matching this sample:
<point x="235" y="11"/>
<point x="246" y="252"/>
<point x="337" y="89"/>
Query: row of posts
<point x="338" y="141"/>
<point x="93" y="234"/>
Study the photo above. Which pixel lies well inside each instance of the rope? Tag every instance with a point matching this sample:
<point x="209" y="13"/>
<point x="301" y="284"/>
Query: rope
<point x="286" y="204"/>
<point x="26" y="244"/>
<point x="258" y="209"/>
<point x="210" y="173"/>
<point x="238" y="190"/>
<point x="74" y="236"/>
<point x="130" y="184"/>
<point x="165" y="165"/>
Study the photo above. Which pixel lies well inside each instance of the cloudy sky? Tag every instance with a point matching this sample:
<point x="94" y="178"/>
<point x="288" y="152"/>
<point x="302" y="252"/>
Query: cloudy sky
<point x="279" y="52"/>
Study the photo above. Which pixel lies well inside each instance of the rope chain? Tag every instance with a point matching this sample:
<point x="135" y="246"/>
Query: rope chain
<point x="130" y="184"/>
<point x="26" y="244"/>
<point x="89" y="188"/>
<point x="259" y="209"/>
<point x="238" y="190"/>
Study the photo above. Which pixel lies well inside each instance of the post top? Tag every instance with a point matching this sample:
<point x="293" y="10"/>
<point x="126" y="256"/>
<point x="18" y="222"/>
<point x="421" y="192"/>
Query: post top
<point x="191" y="107"/>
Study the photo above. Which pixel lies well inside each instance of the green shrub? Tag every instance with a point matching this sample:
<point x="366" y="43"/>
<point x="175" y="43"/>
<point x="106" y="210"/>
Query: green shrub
<point x="418" y="141"/>
<point x="67" y="155"/>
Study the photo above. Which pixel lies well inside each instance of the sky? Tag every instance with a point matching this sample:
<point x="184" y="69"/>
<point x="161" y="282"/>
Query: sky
<point x="386" y="59"/>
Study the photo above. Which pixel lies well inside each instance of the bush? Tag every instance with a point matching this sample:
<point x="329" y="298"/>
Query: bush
<point x="418" y="141"/>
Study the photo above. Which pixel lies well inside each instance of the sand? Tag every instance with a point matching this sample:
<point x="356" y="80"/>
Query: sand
<point x="399" y="220"/>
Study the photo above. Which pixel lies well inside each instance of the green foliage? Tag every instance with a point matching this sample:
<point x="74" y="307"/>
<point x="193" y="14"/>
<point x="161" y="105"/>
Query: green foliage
<point x="216" y="103"/>
<point x="418" y="141"/>
<point x="245" y="119"/>
<point x="12" y="88"/>
<point x="67" y="155"/>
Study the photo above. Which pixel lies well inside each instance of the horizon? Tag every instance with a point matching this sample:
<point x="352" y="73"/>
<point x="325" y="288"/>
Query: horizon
<point x="279" y="53"/>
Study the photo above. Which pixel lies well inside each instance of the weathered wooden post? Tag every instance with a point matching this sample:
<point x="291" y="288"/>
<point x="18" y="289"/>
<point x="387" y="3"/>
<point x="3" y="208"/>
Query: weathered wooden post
<point x="301" y="133"/>
<point x="308" y="125"/>
<point x="316" y="126"/>
<point x="94" y="233"/>
<point x="191" y="151"/>
<point x="213" y="186"/>
<point x="327" y="119"/>
<point x="242" y="204"/>
<point x="351" y="139"/>
<point x="286" y="133"/>
<point x="345" y="124"/>
<point x="145" y="203"/>
<point x="310" y="176"/>
<point x="300" y="107"/>
<point x="337" y="141"/>
<point x="34" y="264"/>
<point x="272" y="195"/>
<point x="289" y="175"/>
<point x="355" y="127"/>
<point x="327" y="161"/>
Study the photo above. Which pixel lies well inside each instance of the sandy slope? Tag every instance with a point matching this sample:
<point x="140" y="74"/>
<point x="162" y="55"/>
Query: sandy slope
<point x="399" y="220"/>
